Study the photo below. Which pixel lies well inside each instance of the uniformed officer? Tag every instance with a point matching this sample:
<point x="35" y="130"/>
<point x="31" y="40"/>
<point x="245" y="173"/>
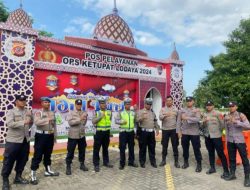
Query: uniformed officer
<point x="188" y="130"/>
<point x="77" y="120"/>
<point x="45" y="138"/>
<point x="102" y="120"/>
<point x="18" y="120"/>
<point x="168" y="116"/>
<point x="214" y="123"/>
<point x="126" y="120"/>
<point x="236" y="122"/>
<point x="148" y="124"/>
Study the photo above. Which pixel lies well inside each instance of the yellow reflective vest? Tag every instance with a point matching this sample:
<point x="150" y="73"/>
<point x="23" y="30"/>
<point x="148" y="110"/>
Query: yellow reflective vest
<point x="105" y="122"/>
<point x="130" y="118"/>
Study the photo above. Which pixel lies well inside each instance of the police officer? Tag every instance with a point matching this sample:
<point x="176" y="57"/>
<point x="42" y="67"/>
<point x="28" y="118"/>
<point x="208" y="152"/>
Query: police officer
<point x="77" y="120"/>
<point x="126" y="120"/>
<point x="19" y="120"/>
<point x="44" y="140"/>
<point x="188" y="130"/>
<point x="102" y="120"/>
<point x="236" y="122"/>
<point x="214" y="123"/>
<point x="148" y="124"/>
<point x="168" y="116"/>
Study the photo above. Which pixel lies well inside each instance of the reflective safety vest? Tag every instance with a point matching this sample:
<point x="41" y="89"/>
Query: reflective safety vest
<point x="130" y="118"/>
<point x="105" y="122"/>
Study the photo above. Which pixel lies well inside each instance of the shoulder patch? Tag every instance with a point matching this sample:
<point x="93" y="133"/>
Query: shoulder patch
<point x="243" y="117"/>
<point x="38" y="114"/>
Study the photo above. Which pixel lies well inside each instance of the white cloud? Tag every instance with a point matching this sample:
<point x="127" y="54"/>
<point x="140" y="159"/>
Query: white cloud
<point x="190" y="22"/>
<point x="70" y="30"/>
<point x="145" y="38"/>
<point x="69" y="90"/>
<point x="108" y="87"/>
<point x="79" y="26"/>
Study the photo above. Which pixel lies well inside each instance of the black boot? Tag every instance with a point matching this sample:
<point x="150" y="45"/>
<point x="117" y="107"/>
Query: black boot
<point x="211" y="170"/>
<point x="225" y="174"/>
<point x="163" y="163"/>
<point x="247" y="181"/>
<point x="153" y="164"/>
<point x="83" y="167"/>
<point x="6" y="183"/>
<point x="33" y="179"/>
<point x="231" y="176"/>
<point x="108" y="165"/>
<point x="133" y="165"/>
<point x="176" y="163"/>
<point x="68" y="169"/>
<point x="185" y="165"/>
<point x="198" y="167"/>
<point x="121" y="167"/>
<point x="19" y="180"/>
<point x="97" y="168"/>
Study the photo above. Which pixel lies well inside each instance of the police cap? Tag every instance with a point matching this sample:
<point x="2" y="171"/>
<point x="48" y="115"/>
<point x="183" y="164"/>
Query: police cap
<point x="102" y="100"/>
<point x="127" y="100"/>
<point x="232" y="104"/>
<point x="189" y="98"/>
<point x="78" y="102"/>
<point x="20" y="97"/>
<point x="149" y="101"/>
<point x="209" y="103"/>
<point x="45" y="99"/>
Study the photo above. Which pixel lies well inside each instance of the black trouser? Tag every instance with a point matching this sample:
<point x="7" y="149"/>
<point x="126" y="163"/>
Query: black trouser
<point x="147" y="140"/>
<point x="213" y="144"/>
<point x="71" y="146"/>
<point x="241" y="147"/>
<point x="43" y="148"/>
<point x="166" y="135"/>
<point x="195" y="140"/>
<point x="15" y="152"/>
<point x="124" y="139"/>
<point x="101" y="139"/>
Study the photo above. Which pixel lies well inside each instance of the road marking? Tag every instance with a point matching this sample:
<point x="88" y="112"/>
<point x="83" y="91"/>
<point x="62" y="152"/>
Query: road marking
<point x="169" y="178"/>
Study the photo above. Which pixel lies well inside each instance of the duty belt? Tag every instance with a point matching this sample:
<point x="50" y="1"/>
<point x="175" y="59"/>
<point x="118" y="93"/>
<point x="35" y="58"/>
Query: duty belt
<point x="103" y="128"/>
<point x="45" y="132"/>
<point x="147" y="130"/>
<point x="126" y="130"/>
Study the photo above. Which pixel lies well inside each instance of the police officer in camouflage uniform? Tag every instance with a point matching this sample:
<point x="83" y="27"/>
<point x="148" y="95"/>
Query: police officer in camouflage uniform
<point x="168" y="116"/>
<point x="236" y="123"/>
<point x="126" y="120"/>
<point x="102" y="120"/>
<point x="77" y="120"/>
<point x="188" y="130"/>
<point x="149" y="126"/>
<point x="44" y="140"/>
<point x="214" y="123"/>
<point x="19" y="120"/>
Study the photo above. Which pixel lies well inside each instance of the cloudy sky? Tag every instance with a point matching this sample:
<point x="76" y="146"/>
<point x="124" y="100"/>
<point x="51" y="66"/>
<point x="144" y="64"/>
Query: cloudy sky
<point x="198" y="27"/>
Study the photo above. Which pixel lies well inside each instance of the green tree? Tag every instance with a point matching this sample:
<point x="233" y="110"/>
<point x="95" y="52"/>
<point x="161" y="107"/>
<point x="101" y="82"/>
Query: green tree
<point x="45" y="33"/>
<point x="3" y="12"/>
<point x="230" y="77"/>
